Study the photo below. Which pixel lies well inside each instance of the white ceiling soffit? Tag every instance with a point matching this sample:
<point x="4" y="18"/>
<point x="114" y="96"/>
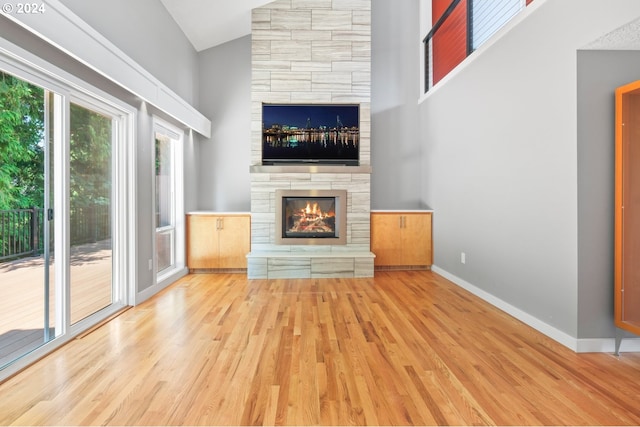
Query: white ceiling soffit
<point x="208" y="23"/>
<point x="626" y="37"/>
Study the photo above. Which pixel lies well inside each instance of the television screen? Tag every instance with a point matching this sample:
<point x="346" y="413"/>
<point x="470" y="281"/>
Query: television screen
<point x="310" y="133"/>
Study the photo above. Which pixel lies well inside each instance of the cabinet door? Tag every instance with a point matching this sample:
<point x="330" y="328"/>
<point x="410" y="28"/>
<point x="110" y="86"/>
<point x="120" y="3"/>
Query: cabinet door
<point x="627" y="208"/>
<point x="416" y="239"/>
<point x="235" y="241"/>
<point x="202" y="241"/>
<point x="385" y="238"/>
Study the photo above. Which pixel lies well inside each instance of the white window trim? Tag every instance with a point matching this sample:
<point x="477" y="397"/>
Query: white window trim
<point x="171" y="275"/>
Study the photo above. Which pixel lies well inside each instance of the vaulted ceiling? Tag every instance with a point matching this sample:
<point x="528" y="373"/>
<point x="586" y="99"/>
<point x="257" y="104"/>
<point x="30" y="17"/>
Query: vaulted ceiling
<point x="208" y="23"/>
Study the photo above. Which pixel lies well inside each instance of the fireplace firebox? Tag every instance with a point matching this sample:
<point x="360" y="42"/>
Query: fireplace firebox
<point x="311" y="217"/>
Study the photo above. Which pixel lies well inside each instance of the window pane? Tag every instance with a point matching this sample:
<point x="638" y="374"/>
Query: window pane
<point x="163" y="182"/>
<point x="90" y="212"/>
<point x="25" y="289"/>
<point x="491" y="15"/>
<point x="164" y="244"/>
<point x="164" y="209"/>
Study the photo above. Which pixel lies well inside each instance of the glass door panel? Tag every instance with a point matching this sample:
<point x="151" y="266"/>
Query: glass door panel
<point x="90" y="201"/>
<point x="24" y="223"/>
<point x="164" y="209"/>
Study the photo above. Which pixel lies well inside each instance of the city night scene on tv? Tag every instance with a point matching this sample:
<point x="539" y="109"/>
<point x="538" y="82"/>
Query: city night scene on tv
<point x="310" y="133"/>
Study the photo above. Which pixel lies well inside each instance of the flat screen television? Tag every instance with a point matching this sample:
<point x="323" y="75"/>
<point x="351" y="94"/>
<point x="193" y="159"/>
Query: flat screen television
<point x="310" y="134"/>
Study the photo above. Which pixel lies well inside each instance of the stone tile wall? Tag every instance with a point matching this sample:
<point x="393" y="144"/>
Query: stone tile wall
<point x="311" y="51"/>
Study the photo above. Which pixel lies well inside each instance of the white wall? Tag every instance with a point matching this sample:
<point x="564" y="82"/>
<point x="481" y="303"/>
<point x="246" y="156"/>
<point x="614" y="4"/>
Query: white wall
<point x="500" y="163"/>
<point x="396" y="152"/>
<point x="144" y="30"/>
<point x="225" y="97"/>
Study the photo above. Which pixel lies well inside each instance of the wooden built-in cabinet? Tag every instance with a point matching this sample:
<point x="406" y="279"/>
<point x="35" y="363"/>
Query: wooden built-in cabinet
<point x="218" y="241"/>
<point x="402" y="239"/>
<point x="627" y="211"/>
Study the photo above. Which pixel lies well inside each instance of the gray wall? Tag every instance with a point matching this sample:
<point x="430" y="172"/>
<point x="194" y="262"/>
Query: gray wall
<point x="599" y="73"/>
<point x="500" y="164"/>
<point x="144" y="30"/>
<point x="396" y="152"/>
<point x="225" y="97"/>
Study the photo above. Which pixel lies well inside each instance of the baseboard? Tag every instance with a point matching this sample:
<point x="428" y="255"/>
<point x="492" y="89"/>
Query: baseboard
<point x="216" y="270"/>
<point x="542" y="327"/>
<point x="401" y="267"/>
<point x="608" y="345"/>
<point x="152" y="290"/>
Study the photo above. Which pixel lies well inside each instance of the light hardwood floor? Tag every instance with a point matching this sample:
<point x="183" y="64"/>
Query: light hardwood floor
<point x="402" y="348"/>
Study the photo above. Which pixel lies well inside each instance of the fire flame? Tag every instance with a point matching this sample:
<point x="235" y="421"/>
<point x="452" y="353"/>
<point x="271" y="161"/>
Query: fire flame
<point x="311" y="218"/>
<point x="315" y="210"/>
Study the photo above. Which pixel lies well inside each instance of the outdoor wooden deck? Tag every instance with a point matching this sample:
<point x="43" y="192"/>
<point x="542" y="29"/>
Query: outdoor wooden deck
<point x="22" y="296"/>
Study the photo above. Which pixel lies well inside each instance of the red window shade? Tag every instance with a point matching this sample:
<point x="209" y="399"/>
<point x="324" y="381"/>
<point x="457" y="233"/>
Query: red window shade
<point x="437" y="9"/>
<point x="449" y="44"/>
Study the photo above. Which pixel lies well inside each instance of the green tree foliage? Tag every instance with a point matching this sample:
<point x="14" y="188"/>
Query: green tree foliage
<point x="21" y="143"/>
<point x="90" y="160"/>
<point x="22" y="147"/>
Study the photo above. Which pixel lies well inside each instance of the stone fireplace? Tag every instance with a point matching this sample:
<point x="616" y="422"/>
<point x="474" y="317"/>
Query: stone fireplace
<point x="273" y="256"/>
<point x="306" y="52"/>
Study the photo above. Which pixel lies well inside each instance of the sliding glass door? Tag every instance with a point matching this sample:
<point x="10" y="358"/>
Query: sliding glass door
<point x="63" y="212"/>
<point x="90" y="213"/>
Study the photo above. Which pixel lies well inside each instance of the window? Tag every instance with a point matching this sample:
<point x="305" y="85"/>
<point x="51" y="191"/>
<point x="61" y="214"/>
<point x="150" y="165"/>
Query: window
<point x="168" y="207"/>
<point x="491" y="15"/>
<point x="458" y="28"/>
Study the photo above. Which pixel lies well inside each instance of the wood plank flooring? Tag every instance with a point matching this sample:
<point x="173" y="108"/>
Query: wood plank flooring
<point x="404" y="348"/>
<point x="22" y="305"/>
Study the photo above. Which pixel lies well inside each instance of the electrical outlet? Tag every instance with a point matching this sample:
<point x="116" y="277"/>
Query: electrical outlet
<point x="463" y="257"/>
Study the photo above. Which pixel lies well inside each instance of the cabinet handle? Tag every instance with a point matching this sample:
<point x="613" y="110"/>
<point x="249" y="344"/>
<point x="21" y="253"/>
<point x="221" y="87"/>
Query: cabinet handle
<point x="400" y="221"/>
